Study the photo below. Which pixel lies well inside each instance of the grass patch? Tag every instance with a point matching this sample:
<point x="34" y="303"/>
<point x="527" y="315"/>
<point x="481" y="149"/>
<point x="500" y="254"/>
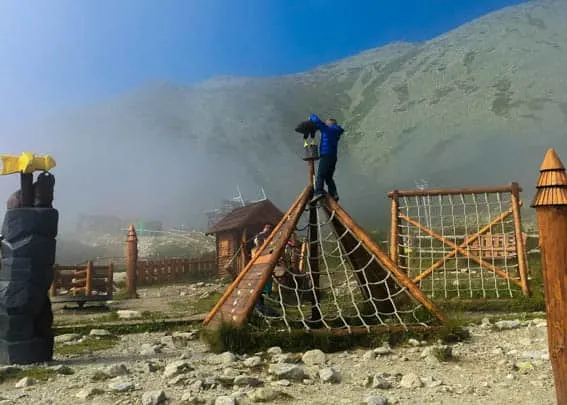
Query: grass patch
<point x="100" y="376"/>
<point x="88" y="346"/>
<point x="153" y="325"/>
<point x="200" y="306"/>
<point x="247" y="340"/>
<point x="16" y="373"/>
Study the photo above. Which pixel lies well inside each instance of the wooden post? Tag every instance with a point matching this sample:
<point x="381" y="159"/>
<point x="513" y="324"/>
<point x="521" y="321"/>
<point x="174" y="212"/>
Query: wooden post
<point x="394" y="229"/>
<point x="131" y="261"/>
<point x="243" y="252"/>
<point x="314" y="262"/>
<point x="311" y="172"/>
<point x="109" y="279"/>
<point x="520" y="247"/>
<point x="89" y="279"/>
<point x="550" y="203"/>
<point x="53" y="288"/>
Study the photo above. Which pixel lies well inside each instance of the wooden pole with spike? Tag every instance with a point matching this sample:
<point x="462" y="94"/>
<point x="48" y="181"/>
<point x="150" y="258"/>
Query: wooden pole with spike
<point x="131" y="261"/>
<point x="550" y="203"/>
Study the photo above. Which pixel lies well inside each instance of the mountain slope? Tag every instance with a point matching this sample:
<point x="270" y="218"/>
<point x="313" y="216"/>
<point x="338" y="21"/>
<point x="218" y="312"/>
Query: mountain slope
<point x="476" y="106"/>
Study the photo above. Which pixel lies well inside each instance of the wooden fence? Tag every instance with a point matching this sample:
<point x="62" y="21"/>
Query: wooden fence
<point x="172" y="270"/>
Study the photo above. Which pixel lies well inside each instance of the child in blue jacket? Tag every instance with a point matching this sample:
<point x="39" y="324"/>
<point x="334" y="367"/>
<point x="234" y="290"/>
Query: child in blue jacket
<point x="328" y="150"/>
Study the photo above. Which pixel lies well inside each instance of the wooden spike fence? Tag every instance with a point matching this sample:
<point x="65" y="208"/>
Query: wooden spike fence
<point x="172" y="270"/>
<point x="83" y="281"/>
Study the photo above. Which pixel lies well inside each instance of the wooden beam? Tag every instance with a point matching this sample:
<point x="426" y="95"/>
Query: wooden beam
<point x="520" y="248"/>
<point x="460" y="250"/>
<point x="463" y="245"/>
<point x="257" y="254"/>
<point x="451" y="191"/>
<point x="401" y="277"/>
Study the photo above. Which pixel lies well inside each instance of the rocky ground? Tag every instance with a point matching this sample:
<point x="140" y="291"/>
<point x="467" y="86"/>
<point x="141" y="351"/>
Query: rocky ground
<point x="503" y="363"/>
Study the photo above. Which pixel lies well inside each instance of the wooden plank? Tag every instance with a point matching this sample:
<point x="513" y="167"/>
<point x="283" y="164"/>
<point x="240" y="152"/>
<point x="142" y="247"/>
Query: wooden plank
<point x="257" y="254"/>
<point x="469" y="240"/>
<point x="451" y="191"/>
<point x="462" y="251"/>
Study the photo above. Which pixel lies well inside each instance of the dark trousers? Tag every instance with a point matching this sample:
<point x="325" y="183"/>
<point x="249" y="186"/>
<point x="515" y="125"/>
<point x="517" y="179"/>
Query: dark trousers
<point x="325" y="174"/>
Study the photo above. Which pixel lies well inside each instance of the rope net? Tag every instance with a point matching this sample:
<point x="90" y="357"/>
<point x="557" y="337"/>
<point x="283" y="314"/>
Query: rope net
<point x="458" y="219"/>
<point x="333" y="282"/>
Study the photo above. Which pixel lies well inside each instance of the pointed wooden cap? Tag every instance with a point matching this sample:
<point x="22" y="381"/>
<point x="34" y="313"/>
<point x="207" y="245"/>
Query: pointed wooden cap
<point x="132" y="236"/>
<point x="552" y="182"/>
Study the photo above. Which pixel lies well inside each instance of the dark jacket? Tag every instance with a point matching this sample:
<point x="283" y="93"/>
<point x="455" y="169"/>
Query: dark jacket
<point x="306" y="128"/>
<point x="330" y="136"/>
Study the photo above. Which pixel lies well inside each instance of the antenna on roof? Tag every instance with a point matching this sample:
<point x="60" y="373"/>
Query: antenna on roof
<point x="239" y="198"/>
<point x="264" y="194"/>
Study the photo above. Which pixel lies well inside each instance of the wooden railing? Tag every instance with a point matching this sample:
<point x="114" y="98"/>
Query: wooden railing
<point x="172" y="270"/>
<point x="83" y="280"/>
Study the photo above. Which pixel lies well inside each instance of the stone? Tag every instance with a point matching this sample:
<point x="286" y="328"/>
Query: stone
<point x="128" y="314"/>
<point x="504" y="325"/>
<point x="149" y="350"/>
<point x="87" y="393"/>
<point x="414" y="342"/>
<point x="369" y="355"/>
<point x="378" y="381"/>
<point x="263" y="395"/>
<point x="375" y="400"/>
<point x="177" y="380"/>
<point x="282" y="358"/>
<point x="314" y="358"/>
<point x="534" y="355"/>
<point x="253" y="361"/>
<point x="154" y="398"/>
<point x="382" y="351"/>
<point x="247" y="381"/>
<point x="63" y="370"/>
<point x="330" y="375"/>
<point x="224" y="358"/>
<point x="272" y="351"/>
<point x="283" y="383"/>
<point x="225" y="400"/>
<point x="175" y="368"/>
<point x="67" y="338"/>
<point x="121" y="386"/>
<point x="431" y="382"/>
<point x="100" y="333"/>
<point x="285" y="371"/>
<point x="167" y="341"/>
<point x="26" y="382"/>
<point x="150" y="367"/>
<point x="190" y="398"/>
<point x="411" y="381"/>
<point x="116" y="370"/>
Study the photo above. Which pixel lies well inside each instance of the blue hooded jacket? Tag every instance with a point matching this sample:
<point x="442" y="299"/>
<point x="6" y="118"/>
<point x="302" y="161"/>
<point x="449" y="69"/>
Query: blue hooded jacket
<point x="330" y="136"/>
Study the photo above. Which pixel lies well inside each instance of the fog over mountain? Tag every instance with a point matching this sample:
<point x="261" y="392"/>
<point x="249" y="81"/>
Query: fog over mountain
<point x="476" y="106"/>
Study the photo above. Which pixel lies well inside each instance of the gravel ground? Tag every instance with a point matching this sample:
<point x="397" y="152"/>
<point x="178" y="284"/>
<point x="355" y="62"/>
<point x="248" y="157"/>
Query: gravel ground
<point x="503" y="363"/>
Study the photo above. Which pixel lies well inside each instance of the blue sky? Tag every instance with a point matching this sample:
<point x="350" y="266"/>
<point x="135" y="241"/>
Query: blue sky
<point x="58" y="54"/>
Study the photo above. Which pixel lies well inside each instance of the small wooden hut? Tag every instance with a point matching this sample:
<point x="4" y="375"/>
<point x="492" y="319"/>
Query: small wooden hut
<point x="235" y="233"/>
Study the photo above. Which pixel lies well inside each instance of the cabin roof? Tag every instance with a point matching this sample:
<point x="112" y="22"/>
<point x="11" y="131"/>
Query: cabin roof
<point x="257" y="213"/>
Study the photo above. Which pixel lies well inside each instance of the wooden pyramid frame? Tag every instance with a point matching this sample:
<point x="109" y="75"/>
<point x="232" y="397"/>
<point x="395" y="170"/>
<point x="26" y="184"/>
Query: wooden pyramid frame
<point x="238" y="301"/>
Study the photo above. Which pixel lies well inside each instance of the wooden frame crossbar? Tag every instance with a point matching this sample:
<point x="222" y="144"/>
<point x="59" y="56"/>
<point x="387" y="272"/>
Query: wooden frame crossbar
<point x="465" y="248"/>
<point x="463" y="245"/>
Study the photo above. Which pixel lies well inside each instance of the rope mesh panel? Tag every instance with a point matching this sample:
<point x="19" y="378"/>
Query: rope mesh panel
<point x="455" y="218"/>
<point x="340" y="297"/>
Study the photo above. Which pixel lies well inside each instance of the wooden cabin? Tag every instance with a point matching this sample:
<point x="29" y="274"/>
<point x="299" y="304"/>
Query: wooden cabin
<point x="235" y="233"/>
